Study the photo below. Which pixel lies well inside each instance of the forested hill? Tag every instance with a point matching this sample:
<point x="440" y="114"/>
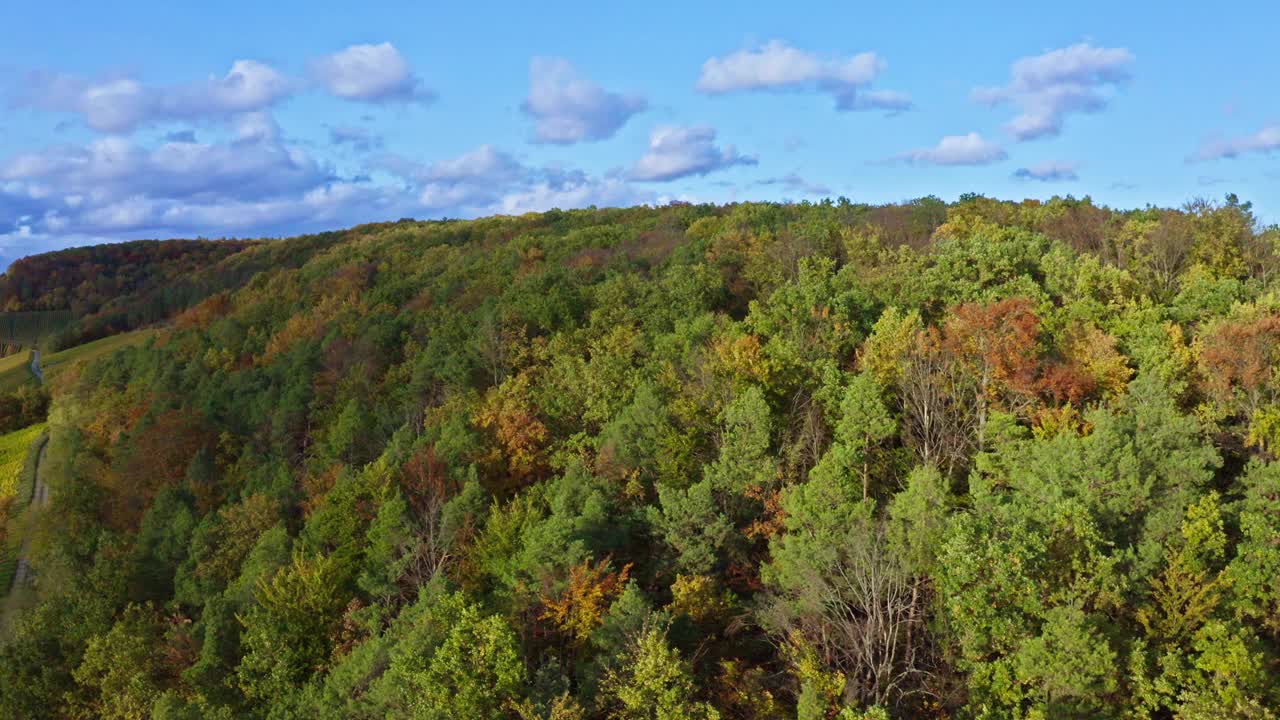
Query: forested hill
<point x="110" y="289"/>
<point x="977" y="460"/>
<point x="84" y="279"/>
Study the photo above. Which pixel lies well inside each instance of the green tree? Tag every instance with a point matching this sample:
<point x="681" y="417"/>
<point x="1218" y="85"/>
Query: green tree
<point x="123" y="672"/>
<point x="655" y="684"/>
<point x="288" y="631"/>
<point x="476" y="672"/>
<point x="865" y="424"/>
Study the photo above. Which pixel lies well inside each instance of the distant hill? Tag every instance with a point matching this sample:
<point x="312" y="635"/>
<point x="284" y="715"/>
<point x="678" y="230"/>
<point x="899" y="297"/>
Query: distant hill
<point x="86" y="278"/>
<point x="109" y="289"/>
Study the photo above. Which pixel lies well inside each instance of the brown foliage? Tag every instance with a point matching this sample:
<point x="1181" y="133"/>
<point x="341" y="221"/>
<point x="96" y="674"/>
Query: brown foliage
<point x="157" y="456"/>
<point x="204" y="313"/>
<point x="997" y="344"/>
<point x="180" y="649"/>
<point x="581" y="607"/>
<point x="519" y="435"/>
<point x="985" y="357"/>
<point x="1067" y="383"/>
<point x="1239" y="359"/>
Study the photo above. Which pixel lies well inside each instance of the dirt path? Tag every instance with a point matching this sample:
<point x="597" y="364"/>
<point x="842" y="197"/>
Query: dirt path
<point x="35" y="366"/>
<point x="39" y="495"/>
<point x="39" y="498"/>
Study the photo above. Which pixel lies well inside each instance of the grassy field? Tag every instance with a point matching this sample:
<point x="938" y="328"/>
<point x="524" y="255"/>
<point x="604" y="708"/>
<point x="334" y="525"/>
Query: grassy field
<point x="58" y="363"/>
<point x="18" y="452"/>
<point x="15" y="371"/>
<point x="13" y="455"/>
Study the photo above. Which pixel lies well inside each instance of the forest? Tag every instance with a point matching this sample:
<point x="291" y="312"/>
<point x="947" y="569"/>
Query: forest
<point x="973" y="460"/>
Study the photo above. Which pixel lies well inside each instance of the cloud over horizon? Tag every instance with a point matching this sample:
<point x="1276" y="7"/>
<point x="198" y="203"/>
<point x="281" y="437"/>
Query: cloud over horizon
<point x="123" y="104"/>
<point x="489" y="180"/>
<point x="678" y="152"/>
<point x="776" y="66"/>
<point x="1264" y="141"/>
<point x="969" y="149"/>
<point x="1048" y="172"/>
<point x="255" y="133"/>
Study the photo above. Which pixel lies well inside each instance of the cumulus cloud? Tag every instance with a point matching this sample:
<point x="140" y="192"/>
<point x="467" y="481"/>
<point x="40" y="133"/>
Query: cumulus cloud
<point x="475" y="179"/>
<point x="254" y="182"/>
<point x="776" y="66"/>
<point x="1264" y="141"/>
<point x="114" y="167"/>
<point x="570" y="190"/>
<point x="1048" y="87"/>
<point x="1048" y="172"/>
<point x="677" y="152"/>
<point x="357" y="138"/>
<point x="114" y="185"/>
<point x="123" y="104"/>
<point x="488" y="180"/>
<point x="568" y="108"/>
<point x="969" y="149"/>
<point x="370" y="73"/>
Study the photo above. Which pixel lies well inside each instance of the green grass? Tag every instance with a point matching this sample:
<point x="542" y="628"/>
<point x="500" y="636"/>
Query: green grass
<point x="14" y="449"/>
<point x="58" y="363"/>
<point x="15" y="371"/>
<point x="19" y="453"/>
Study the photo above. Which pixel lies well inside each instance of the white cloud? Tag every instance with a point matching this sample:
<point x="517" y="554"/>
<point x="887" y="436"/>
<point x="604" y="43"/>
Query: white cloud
<point x="250" y="85"/>
<point x="568" y="108"/>
<point x="1050" y="86"/>
<point x="256" y="126"/>
<point x="116" y="186"/>
<point x="1265" y="140"/>
<point x="1048" y="172"/>
<point x="574" y="190"/>
<point x="484" y="164"/>
<point x="370" y="73"/>
<point x="797" y="184"/>
<point x="777" y="66"/>
<point x="121" y="105"/>
<point x="113" y="168"/>
<point x="677" y="152"/>
<point x="487" y="180"/>
<point x="969" y="149"/>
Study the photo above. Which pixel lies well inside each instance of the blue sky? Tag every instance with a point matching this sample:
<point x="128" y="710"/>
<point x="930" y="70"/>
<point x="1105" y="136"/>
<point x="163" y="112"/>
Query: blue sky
<point x="234" y="120"/>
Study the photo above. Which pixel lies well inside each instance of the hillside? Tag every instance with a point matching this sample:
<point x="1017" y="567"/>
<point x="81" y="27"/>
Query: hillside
<point x="930" y="460"/>
<point x="84" y="279"/>
<point x="110" y="289"/>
